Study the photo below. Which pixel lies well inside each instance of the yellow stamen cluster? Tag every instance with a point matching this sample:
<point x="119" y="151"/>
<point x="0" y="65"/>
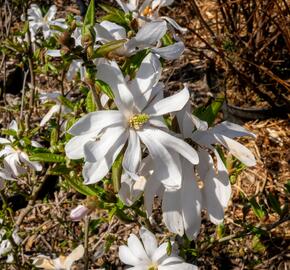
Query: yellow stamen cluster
<point x="147" y="11"/>
<point x="153" y="267"/>
<point x="138" y="120"/>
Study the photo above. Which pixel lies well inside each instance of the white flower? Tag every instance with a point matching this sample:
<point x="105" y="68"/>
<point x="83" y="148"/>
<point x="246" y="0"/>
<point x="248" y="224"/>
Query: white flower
<point x="216" y="189"/>
<point x="55" y="109"/>
<point x="14" y="159"/>
<point x="37" y="21"/>
<point x="146" y="255"/>
<point x="139" y="118"/>
<point x="6" y="245"/>
<point x="149" y="11"/>
<point x="148" y="36"/>
<point x="60" y="263"/>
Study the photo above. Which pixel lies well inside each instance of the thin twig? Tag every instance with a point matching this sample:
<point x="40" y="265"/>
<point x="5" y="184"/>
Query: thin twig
<point x="23" y="94"/>
<point x="86" y="243"/>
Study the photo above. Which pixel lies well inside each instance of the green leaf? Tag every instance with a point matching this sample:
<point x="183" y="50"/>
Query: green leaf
<point x="108" y="47"/>
<point x="209" y="113"/>
<point x="117" y="172"/>
<point x="59" y="169"/>
<point x="134" y="62"/>
<point x="169" y="247"/>
<point x="9" y="132"/>
<point x="274" y="203"/>
<point x="257" y="245"/>
<point x="90" y="104"/>
<point x="47" y="157"/>
<point x="76" y="184"/>
<point x="53" y="137"/>
<point x="110" y="9"/>
<point x="66" y="102"/>
<point x="115" y="18"/>
<point x="105" y="88"/>
<point x="90" y="15"/>
<point x="258" y="210"/>
<point x="167" y="40"/>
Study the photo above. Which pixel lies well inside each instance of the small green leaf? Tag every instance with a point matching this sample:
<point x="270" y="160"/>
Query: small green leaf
<point x="209" y="113"/>
<point x="258" y="210"/>
<point x="76" y="184"/>
<point x="117" y="172"/>
<point x="133" y="63"/>
<point x="108" y="47"/>
<point x="59" y="169"/>
<point x="53" y="137"/>
<point x="90" y="15"/>
<point x="167" y="40"/>
<point x="257" y="245"/>
<point x="90" y="104"/>
<point x="169" y="247"/>
<point x="105" y="88"/>
<point x="66" y="102"/>
<point x="274" y="203"/>
<point x="47" y="157"/>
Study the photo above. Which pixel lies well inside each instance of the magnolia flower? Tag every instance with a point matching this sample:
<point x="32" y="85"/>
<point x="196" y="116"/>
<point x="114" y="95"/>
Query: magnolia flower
<point x="146" y="255"/>
<point x="139" y="118"/>
<point x="216" y="189"/>
<point x="60" y="263"/>
<point x="14" y="159"/>
<point x="149" y="11"/>
<point x="55" y="109"/>
<point x="37" y="21"/>
<point x="147" y="37"/>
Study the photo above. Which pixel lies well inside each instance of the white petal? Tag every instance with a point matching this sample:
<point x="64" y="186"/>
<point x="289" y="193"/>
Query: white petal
<point x="170" y="52"/>
<point x="175" y="24"/>
<point x="74" y="67"/>
<point x="75" y="255"/>
<point x="74" y="149"/>
<point x="171" y="208"/>
<point x="149" y="241"/>
<point x="151" y="32"/>
<point x="112" y="75"/>
<point x="175" y="144"/>
<point x="4" y="141"/>
<point x="238" y="150"/>
<point x="102" y="34"/>
<point x="96" y="122"/>
<point x="170" y="104"/>
<point x="123" y="6"/>
<point x="96" y="150"/>
<point x="178" y="266"/>
<point x="53" y="53"/>
<point x="12" y="161"/>
<point x="116" y="31"/>
<point x="136" y="247"/>
<point x="167" y="165"/>
<point x="13" y="125"/>
<point x="127" y="257"/>
<point x="231" y="130"/>
<point x="94" y="172"/>
<point x="50" y="13"/>
<point x="34" y="12"/>
<point x="54" y="109"/>
<point x="7" y="150"/>
<point x="146" y="78"/>
<point x="190" y="202"/>
<point x="160" y="254"/>
<point x="151" y="190"/>
<point x="132" y="156"/>
<point x="32" y="164"/>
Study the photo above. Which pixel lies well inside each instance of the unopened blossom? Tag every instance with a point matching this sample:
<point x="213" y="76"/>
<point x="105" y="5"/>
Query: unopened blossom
<point x="149" y="11"/>
<point x="146" y="255"/>
<point x="100" y="136"/>
<point x="60" y="263"/>
<point x="216" y="189"/>
<point x="16" y="159"/>
<point x="79" y="213"/>
<point x="55" y="109"/>
<point x="148" y="36"/>
<point x="38" y="21"/>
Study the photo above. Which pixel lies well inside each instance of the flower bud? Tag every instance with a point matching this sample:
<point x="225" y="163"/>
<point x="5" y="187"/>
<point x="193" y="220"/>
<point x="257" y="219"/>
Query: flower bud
<point x="79" y="213"/>
<point x="66" y="40"/>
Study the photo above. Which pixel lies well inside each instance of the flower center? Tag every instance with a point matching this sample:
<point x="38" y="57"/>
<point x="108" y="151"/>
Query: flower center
<point x="153" y="267"/>
<point x="148" y="11"/>
<point x="137" y="121"/>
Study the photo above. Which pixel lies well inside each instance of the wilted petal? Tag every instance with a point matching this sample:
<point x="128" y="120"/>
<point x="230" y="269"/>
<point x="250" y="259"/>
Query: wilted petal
<point x="96" y="122"/>
<point x="170" y="104"/>
<point x="75" y="255"/>
<point x="170" y="52"/>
